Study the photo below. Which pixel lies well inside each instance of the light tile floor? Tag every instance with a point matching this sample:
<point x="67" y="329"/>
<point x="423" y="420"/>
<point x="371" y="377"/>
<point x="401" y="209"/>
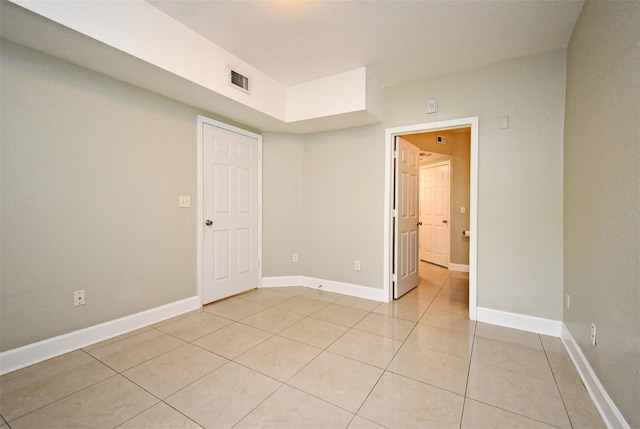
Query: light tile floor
<point x="304" y="358"/>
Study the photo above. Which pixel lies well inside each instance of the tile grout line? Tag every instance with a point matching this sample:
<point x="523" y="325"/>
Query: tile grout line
<point x="555" y="381"/>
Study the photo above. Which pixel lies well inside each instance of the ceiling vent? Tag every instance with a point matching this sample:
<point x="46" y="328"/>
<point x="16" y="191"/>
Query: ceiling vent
<point x="239" y="81"/>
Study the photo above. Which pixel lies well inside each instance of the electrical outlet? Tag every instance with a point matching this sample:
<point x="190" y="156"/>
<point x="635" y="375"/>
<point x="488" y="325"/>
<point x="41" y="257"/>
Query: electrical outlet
<point x="463" y="209"/>
<point x="78" y="298"/>
<point x="593" y="334"/>
<point x="356" y="266"/>
<point x="568" y="302"/>
<point x="294" y="257"/>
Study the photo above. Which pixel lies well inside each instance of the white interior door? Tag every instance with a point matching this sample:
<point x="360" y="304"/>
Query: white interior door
<point x="406" y="217"/>
<point x="230" y="212"/>
<point x="434" y="213"/>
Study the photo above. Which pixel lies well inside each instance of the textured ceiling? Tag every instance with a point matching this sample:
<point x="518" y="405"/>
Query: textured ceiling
<point x="299" y="41"/>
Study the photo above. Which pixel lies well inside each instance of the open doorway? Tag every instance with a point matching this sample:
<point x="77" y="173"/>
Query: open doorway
<point x="471" y="211"/>
<point x="444" y="196"/>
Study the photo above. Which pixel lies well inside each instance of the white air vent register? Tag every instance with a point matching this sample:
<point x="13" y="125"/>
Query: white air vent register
<point x="238" y="81"/>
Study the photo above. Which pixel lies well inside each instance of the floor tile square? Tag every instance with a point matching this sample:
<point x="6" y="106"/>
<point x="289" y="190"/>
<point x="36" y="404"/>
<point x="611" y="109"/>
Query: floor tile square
<point x="134" y="350"/>
<point x="302" y="305"/>
<point x="522" y="394"/>
<point x="265" y="297"/>
<point x="367" y="348"/>
<point x="449" y="305"/>
<point x="553" y="346"/>
<point x="442" y="340"/>
<point x="234" y="310"/>
<point x="160" y="416"/>
<point x="338" y="380"/>
<point x="53" y="380"/>
<point x="222" y="398"/>
<point x="582" y="411"/>
<point x="477" y="415"/>
<point x="314" y="332"/>
<point x="452" y="321"/>
<point x="291" y="408"/>
<point x="272" y="320"/>
<point x="170" y="372"/>
<point x="508" y="335"/>
<point x="362" y="423"/>
<point x="117" y="338"/>
<point x="564" y="371"/>
<point x="345" y="316"/>
<point x="355" y="302"/>
<point x="103" y="405"/>
<point x="385" y="326"/>
<point x="512" y="357"/>
<point x="432" y="367"/>
<point x="278" y="357"/>
<point x="400" y="402"/>
<point x="232" y="340"/>
<point x="420" y="296"/>
<point x="193" y="326"/>
<point x="411" y="312"/>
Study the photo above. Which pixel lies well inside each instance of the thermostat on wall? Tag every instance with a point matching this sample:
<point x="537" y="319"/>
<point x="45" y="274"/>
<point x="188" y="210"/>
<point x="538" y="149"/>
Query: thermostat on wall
<point x="432" y="106"/>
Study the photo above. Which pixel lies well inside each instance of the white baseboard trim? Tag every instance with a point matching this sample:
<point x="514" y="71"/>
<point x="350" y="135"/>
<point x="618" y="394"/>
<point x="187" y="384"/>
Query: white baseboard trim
<point x="30" y="354"/>
<point x="612" y="417"/>
<point x="523" y="322"/>
<point x="459" y="267"/>
<point x="327" y="285"/>
<point x="282" y="281"/>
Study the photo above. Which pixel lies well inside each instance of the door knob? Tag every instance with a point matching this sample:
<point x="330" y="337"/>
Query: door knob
<point x="208" y="222"/>
<point x="419" y="223"/>
<point x="445" y="221"/>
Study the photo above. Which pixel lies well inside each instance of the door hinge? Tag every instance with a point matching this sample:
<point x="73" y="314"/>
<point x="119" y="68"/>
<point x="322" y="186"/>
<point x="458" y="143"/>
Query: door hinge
<point x="394" y="277"/>
<point x="395" y="154"/>
<point x="395" y="212"/>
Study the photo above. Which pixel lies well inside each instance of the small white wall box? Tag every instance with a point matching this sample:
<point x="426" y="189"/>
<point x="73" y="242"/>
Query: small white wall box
<point x="432" y="106"/>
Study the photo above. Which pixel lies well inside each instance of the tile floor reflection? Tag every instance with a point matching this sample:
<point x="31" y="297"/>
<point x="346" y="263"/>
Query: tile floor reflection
<point x="303" y="358"/>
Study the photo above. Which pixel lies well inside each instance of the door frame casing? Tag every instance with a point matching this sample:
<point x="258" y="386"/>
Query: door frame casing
<point x="390" y="134"/>
<point x="202" y="120"/>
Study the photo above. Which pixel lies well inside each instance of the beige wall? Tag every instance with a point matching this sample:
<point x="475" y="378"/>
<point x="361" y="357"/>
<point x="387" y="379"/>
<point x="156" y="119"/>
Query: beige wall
<point x="342" y="205"/>
<point x="322" y="201"/>
<point x="602" y="196"/>
<point x="91" y="173"/>
<point x="282" y="204"/>
<point x="458" y="148"/>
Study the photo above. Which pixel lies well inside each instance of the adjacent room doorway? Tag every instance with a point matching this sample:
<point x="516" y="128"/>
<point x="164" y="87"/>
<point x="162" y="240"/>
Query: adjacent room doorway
<point x="391" y="236"/>
<point x="435" y="187"/>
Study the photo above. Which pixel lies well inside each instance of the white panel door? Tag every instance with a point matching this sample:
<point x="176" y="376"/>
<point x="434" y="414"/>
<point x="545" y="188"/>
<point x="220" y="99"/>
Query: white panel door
<point x="231" y="213"/>
<point x="406" y="219"/>
<point x="434" y="213"/>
